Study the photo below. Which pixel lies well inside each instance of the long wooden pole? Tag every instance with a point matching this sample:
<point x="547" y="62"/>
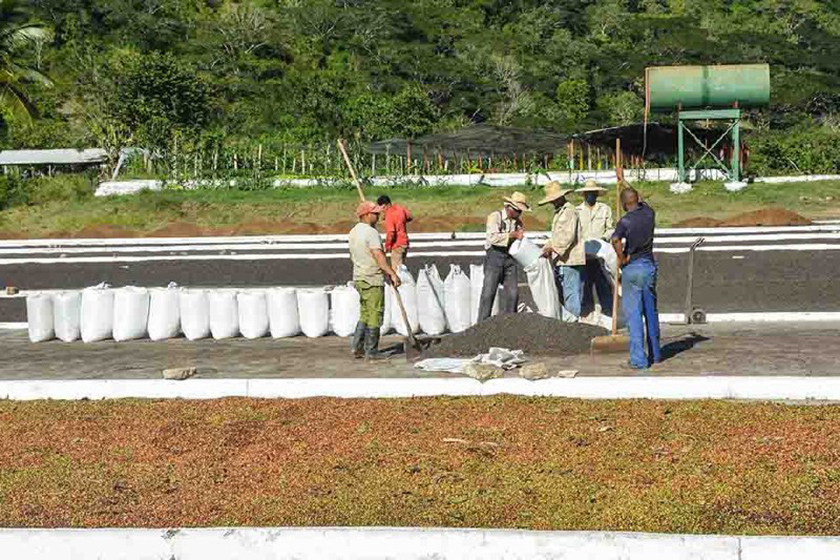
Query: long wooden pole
<point x="350" y="167"/>
<point x="619" y="178"/>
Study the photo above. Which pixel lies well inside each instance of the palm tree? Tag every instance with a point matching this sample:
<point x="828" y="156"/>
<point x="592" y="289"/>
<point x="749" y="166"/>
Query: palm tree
<point x="16" y="34"/>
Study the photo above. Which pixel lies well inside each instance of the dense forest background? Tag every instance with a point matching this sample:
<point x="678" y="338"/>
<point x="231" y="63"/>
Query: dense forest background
<point x="151" y="73"/>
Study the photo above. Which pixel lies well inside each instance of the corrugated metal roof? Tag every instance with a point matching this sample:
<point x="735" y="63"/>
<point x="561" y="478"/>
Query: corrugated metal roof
<point x="52" y="157"/>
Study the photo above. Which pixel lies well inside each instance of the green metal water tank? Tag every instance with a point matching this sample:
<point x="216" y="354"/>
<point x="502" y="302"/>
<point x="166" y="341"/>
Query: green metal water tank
<point x="698" y="87"/>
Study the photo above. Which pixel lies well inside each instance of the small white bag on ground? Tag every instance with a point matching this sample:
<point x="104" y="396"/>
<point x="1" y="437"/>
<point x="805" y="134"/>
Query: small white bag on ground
<point x="131" y="313"/>
<point x="195" y="314"/>
<point x="67" y="314"/>
<point x="164" y="313"/>
<point x="97" y="316"/>
<point x="345" y="309"/>
<point x="39" y="315"/>
<point x="456" y="289"/>
<point x="253" y="313"/>
<point x="544" y="289"/>
<point x="224" y="314"/>
<point x="283" y="317"/>
<point x="408" y="293"/>
<point x="314" y="312"/>
<point x="430" y="313"/>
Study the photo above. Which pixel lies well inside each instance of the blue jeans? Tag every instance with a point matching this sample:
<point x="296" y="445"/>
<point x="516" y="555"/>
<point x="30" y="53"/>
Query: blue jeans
<point x="569" y="286"/>
<point x="638" y="285"/>
<point x="594" y="276"/>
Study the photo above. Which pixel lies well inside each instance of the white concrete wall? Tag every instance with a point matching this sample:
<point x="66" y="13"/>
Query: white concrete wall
<point x="395" y="543"/>
<point x="637" y="387"/>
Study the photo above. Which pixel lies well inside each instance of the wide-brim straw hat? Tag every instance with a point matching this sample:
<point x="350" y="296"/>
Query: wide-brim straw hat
<point x="518" y="201"/>
<point x="591" y="186"/>
<point x="553" y="191"/>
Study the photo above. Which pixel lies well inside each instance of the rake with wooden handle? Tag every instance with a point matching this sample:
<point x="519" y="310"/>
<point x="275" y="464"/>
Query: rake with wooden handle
<point x="614" y="342"/>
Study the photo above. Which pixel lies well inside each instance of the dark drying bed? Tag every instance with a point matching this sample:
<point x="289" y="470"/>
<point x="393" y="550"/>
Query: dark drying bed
<point x="530" y="332"/>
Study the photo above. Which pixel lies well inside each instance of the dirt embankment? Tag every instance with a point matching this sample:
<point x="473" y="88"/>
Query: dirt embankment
<point x="763" y="217"/>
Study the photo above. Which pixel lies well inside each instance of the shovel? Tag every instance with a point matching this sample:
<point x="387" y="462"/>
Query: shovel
<point x="414" y="345"/>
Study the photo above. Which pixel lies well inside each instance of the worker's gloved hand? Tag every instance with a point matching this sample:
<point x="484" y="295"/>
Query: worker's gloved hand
<point x="546" y="253"/>
<point x="395" y="280"/>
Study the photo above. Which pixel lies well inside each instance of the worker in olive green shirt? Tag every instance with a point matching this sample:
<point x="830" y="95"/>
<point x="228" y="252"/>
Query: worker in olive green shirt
<point x="369" y="270"/>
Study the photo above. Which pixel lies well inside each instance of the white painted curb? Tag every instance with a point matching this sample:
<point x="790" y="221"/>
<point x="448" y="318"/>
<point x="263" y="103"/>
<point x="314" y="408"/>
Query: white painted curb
<point x="633" y="387"/>
<point x="404" y="543"/>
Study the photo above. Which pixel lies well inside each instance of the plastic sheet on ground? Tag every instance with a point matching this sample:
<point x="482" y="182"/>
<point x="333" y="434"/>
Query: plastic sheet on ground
<point x="498" y="357"/>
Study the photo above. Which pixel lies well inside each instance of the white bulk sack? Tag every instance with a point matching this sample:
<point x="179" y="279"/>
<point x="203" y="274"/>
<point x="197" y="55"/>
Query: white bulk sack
<point x="97" y="320"/>
<point x="283" y="317"/>
<point x="345" y="310"/>
<point x="544" y="289"/>
<point x="408" y="293"/>
<point x="430" y="312"/>
<point x="525" y="252"/>
<point x="253" y="313"/>
<point x="39" y="314"/>
<point x="390" y="315"/>
<point x="164" y="313"/>
<point x="67" y="314"/>
<point x="456" y="289"/>
<point x="476" y="287"/>
<point x="314" y="311"/>
<point x="224" y="314"/>
<point x="131" y="313"/>
<point x="195" y="313"/>
<point x="605" y="253"/>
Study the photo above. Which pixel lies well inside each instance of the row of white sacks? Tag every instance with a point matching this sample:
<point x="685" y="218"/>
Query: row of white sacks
<point x="433" y="305"/>
<point x="100" y="312"/>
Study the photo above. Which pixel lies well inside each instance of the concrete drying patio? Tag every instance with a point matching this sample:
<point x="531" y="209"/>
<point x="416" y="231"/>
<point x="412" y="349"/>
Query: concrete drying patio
<point x="727" y="349"/>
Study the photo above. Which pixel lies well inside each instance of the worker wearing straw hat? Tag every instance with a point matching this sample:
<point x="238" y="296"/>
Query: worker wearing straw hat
<point x="503" y="228"/>
<point x="596" y="220"/>
<point x="566" y="246"/>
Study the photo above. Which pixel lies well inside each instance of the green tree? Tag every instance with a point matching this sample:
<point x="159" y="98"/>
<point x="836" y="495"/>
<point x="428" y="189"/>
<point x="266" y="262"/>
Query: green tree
<point x="572" y="99"/>
<point x="156" y="95"/>
<point x="17" y="33"/>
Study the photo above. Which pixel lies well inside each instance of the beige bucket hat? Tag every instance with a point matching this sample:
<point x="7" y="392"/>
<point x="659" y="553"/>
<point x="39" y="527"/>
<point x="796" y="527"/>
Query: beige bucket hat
<point x="553" y="191"/>
<point x="519" y="201"/>
<point x="591" y="186"/>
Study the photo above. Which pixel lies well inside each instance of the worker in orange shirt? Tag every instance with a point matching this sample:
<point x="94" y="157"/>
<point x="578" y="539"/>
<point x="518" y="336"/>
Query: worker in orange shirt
<point x="396" y="233"/>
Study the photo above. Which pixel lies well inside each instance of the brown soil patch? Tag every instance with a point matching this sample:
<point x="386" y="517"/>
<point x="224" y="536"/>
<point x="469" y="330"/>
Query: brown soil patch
<point x="768" y="217"/>
<point x="103" y="231"/>
<point x="507" y="462"/>
<point x="178" y="229"/>
<point x="764" y="217"/>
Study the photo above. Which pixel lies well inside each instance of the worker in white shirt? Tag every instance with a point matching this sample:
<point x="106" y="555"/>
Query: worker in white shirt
<point x="503" y="228"/>
<point x="597" y="222"/>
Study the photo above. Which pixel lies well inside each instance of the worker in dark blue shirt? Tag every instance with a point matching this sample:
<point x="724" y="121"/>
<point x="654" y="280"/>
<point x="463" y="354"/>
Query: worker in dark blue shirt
<point x="633" y="243"/>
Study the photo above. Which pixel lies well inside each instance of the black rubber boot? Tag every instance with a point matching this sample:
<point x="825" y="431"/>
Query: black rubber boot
<point x="372" y="344"/>
<point x="358" y="341"/>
